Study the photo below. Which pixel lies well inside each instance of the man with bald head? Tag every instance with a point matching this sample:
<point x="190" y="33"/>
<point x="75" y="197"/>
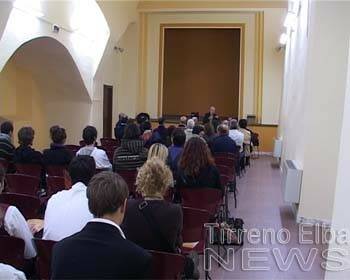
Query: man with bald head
<point x="223" y="143"/>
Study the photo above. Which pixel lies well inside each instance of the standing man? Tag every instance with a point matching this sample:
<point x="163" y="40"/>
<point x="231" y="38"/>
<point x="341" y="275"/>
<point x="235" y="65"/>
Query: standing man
<point x="211" y="117"/>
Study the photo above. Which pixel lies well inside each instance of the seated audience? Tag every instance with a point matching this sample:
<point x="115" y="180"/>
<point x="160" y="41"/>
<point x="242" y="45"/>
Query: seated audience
<point x="189" y="129"/>
<point x="154" y="223"/>
<point x="131" y="154"/>
<point x="236" y="135"/>
<point x="183" y="121"/>
<point x="197" y="167"/>
<point x="120" y="126"/>
<point x="145" y="126"/>
<point x="247" y="138"/>
<point x="100" y="156"/>
<point x="198" y="130"/>
<point x="67" y="211"/>
<point x="209" y="134"/>
<point x="158" y="150"/>
<point x="161" y="130"/>
<point x="223" y="143"/>
<point x="175" y="150"/>
<point x="13" y="222"/>
<point x="57" y="154"/>
<point x="100" y="250"/>
<point x="7" y="150"/>
<point x="25" y="153"/>
<point x="8" y="272"/>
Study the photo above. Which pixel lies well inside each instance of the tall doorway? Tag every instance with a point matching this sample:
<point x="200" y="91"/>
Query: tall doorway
<point x="107" y="111"/>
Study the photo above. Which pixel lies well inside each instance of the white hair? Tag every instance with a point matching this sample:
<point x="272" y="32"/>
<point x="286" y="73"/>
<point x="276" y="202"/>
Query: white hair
<point x="190" y="123"/>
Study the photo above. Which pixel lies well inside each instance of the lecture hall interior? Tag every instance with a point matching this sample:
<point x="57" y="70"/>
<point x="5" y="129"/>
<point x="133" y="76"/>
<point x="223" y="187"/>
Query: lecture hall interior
<point x="97" y="78"/>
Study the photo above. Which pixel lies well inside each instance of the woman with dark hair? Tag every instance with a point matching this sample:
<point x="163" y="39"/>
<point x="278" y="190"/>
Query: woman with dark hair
<point x="57" y="154"/>
<point x="131" y="154"/>
<point x="197" y="167"/>
<point x="25" y="153"/>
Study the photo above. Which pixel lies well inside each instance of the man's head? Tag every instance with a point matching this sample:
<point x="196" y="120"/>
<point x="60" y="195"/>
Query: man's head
<point x="26" y="136"/>
<point x="243" y="123"/>
<point x="179" y="137"/>
<point x="161" y="121"/>
<point x="2" y="179"/>
<point x="233" y="124"/>
<point x="90" y="135"/>
<point x="183" y="120"/>
<point x="223" y="129"/>
<point x="190" y="123"/>
<point x="81" y="169"/>
<point x="6" y="128"/>
<point x="212" y="110"/>
<point x="132" y="132"/>
<point x="197" y="129"/>
<point x="58" y="135"/>
<point x="107" y="193"/>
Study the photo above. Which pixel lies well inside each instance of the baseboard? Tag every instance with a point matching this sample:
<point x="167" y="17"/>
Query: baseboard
<point x="314" y="222"/>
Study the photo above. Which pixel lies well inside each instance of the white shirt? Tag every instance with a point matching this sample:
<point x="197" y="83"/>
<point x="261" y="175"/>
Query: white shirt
<point x="16" y="226"/>
<point x="100" y="220"/>
<point x="100" y="156"/>
<point x="237" y="136"/>
<point x="67" y="212"/>
<point x="9" y="273"/>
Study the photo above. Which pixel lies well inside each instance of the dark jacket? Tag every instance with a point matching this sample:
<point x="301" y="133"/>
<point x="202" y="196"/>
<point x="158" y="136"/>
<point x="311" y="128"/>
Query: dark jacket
<point x="208" y="177"/>
<point x="175" y="153"/>
<point x="27" y="155"/>
<point x="119" y="129"/>
<point x="168" y="218"/>
<point x="99" y="252"/>
<point x="130" y="155"/>
<point x="214" y="120"/>
<point x="224" y="144"/>
<point x="163" y="133"/>
<point x="7" y="150"/>
<point x="57" y="155"/>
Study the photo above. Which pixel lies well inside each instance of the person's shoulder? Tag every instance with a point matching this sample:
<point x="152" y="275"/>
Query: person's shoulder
<point x="135" y="251"/>
<point x="12" y="211"/>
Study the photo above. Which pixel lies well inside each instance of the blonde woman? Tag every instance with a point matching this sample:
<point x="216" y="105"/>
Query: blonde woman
<point x="152" y="222"/>
<point x="158" y="150"/>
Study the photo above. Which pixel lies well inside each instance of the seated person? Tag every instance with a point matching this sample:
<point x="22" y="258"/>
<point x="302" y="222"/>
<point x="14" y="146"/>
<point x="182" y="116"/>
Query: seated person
<point x="243" y="124"/>
<point x="236" y="135"/>
<point x="158" y="225"/>
<point x="197" y="167"/>
<point x="131" y="154"/>
<point x="8" y="272"/>
<point x="198" y="130"/>
<point x="13" y="222"/>
<point x="25" y="154"/>
<point x="183" y="121"/>
<point x="7" y="150"/>
<point x="158" y="150"/>
<point x="223" y="142"/>
<point x="175" y="150"/>
<point x="57" y="154"/>
<point x="189" y="129"/>
<point x="100" y="156"/>
<point x="100" y="250"/>
<point x="161" y="130"/>
<point x="209" y="134"/>
<point x="120" y="126"/>
<point x="67" y="211"/>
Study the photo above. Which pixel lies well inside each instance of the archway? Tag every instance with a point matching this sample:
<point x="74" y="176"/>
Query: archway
<point x="41" y="86"/>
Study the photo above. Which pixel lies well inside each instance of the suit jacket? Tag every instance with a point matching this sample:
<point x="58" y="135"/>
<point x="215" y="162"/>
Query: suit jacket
<point x="57" y="155"/>
<point x="99" y="251"/>
<point x="224" y="144"/>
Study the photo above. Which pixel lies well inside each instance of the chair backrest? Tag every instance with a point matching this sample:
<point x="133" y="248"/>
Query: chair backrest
<point x="201" y="198"/>
<point x="226" y="155"/>
<point x="109" y="143"/>
<point x="229" y="162"/>
<point x="29" y="169"/>
<point x="28" y="205"/>
<point x="193" y="223"/>
<point x="12" y="250"/>
<point x="56" y="170"/>
<point x="43" y="260"/>
<point x="166" y="265"/>
<point x="56" y="184"/>
<point x="130" y="178"/>
<point x="73" y="149"/>
<point x="23" y="184"/>
<point x="110" y="154"/>
<point x="225" y="170"/>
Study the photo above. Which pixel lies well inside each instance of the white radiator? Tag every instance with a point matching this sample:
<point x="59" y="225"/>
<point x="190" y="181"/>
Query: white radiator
<point x="277" y="148"/>
<point x="291" y="181"/>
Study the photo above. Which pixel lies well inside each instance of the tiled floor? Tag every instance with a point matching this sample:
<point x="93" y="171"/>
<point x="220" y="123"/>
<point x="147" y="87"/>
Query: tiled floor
<point x="261" y="206"/>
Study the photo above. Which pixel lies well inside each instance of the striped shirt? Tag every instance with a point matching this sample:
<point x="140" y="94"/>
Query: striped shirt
<point x="7" y="150"/>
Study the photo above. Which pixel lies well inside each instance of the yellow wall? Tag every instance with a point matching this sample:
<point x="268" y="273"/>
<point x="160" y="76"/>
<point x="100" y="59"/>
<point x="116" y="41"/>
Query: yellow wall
<point x="21" y="103"/>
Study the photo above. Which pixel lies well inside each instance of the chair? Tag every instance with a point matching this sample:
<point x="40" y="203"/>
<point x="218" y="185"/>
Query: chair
<point x="43" y="260"/>
<point x="56" y="184"/>
<point x="29" y="169"/>
<point x="28" y="205"/>
<point x="130" y="178"/>
<point x="110" y="154"/>
<point x="166" y="265"/>
<point x="12" y="250"/>
<point x="109" y="143"/>
<point x="202" y="198"/>
<point x="56" y="170"/>
<point x="73" y="149"/>
<point x="22" y="184"/>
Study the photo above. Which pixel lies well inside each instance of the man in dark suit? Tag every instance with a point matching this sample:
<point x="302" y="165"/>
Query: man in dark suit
<point x="223" y="143"/>
<point x="211" y="117"/>
<point x="100" y="250"/>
